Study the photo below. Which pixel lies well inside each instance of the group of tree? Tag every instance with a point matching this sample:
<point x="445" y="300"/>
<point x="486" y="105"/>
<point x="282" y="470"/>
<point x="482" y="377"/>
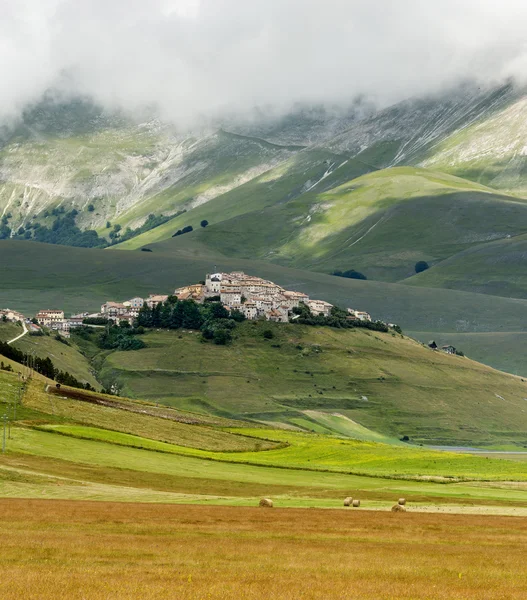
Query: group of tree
<point x="113" y="337"/>
<point x="44" y="366"/>
<point x="151" y="222"/>
<point x="351" y="274"/>
<point x="120" y="337"/>
<point x="63" y="231"/>
<point x="186" y="229"/>
<point x="211" y="318"/>
<point x="338" y="319"/>
<point x="5" y="230"/>
<point x="189" y="228"/>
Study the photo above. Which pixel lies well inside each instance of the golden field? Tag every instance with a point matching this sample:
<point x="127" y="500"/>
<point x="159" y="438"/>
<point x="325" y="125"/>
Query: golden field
<point x="95" y="550"/>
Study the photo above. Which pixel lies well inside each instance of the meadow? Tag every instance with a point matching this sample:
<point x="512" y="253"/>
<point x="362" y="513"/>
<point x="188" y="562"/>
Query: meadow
<point x="72" y="550"/>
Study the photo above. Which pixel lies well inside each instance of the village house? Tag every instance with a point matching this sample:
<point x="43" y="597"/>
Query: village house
<point x="154" y="299"/>
<point x="250" y="310"/>
<point x="111" y="310"/>
<point x="319" y="307"/>
<point x="230" y="296"/>
<point x="448" y="349"/>
<point x="293" y="299"/>
<point x="191" y="292"/>
<point x="135" y="303"/>
<point x="48" y="317"/>
<point x="76" y="320"/>
<point x="11" y="315"/>
<point x="359" y="314"/>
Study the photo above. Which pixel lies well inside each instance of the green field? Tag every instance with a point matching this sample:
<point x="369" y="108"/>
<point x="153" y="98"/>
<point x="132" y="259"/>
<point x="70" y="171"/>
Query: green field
<point x="138" y="451"/>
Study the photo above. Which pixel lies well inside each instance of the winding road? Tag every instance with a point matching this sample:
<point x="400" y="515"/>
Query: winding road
<point x="21" y="335"/>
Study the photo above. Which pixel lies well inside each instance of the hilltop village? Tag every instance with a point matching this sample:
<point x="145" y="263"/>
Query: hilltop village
<point x="254" y="297"/>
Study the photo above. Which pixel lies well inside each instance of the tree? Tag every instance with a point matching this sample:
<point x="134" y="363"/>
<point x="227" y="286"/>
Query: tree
<point x="91" y="208"/>
<point x="204" y="223"/>
<point x="218" y="311"/>
<point x="421" y="266"/>
<point x="268" y="334"/>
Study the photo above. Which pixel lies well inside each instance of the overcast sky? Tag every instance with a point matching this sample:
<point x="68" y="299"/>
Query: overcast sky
<point x="194" y="58"/>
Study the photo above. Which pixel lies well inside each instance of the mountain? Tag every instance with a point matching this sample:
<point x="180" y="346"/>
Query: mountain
<point x="293" y="198"/>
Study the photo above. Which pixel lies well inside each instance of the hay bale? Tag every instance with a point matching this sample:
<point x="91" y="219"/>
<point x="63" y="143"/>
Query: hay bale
<point x="266" y="503"/>
<point x="348" y="501"/>
<point x="402" y="501"/>
<point x="398" y="508"/>
<point x="356" y="503"/>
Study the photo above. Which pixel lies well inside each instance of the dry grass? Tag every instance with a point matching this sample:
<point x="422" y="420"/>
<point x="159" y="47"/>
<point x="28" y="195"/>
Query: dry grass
<point x="73" y="550"/>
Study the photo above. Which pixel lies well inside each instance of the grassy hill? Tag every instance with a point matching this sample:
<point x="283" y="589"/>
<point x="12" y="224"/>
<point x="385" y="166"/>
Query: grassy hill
<point x="504" y="350"/>
<point x="494" y="268"/>
<point x="65" y="356"/>
<point x="325" y="380"/>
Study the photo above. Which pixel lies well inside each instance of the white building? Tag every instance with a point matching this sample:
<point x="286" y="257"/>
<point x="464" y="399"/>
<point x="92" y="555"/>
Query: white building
<point x="135" y="302"/>
<point x="154" y="299"/>
<point x="359" y="314"/>
<point x="319" y="307"/>
<point x="49" y="317"/>
<point x="111" y="310"/>
<point x="230" y="296"/>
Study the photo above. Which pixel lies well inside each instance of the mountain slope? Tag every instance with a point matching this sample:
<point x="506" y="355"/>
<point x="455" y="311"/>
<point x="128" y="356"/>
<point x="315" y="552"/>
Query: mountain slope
<point x="380" y="223"/>
<point x="491" y="150"/>
<point x="494" y="268"/>
<point x="120" y="169"/>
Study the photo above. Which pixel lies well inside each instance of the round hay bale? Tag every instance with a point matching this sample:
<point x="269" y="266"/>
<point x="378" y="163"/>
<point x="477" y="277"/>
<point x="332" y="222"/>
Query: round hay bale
<point x="356" y="503"/>
<point x="266" y="503"/>
<point x="348" y="501"/>
<point x="402" y="501"/>
<point x="398" y="508"/>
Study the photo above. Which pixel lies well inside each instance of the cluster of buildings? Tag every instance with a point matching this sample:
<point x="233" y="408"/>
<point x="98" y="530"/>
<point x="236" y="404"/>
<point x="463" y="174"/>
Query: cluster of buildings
<point x="254" y="297"/>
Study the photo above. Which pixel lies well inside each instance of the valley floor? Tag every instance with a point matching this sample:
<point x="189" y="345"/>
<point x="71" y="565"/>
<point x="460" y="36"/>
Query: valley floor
<point x="73" y="550"/>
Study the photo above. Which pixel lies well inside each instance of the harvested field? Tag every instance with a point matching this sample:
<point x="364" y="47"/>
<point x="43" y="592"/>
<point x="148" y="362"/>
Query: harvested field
<point x="72" y="550"/>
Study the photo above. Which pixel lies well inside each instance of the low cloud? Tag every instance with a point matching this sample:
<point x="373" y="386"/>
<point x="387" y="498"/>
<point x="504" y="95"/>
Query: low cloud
<point x="196" y="59"/>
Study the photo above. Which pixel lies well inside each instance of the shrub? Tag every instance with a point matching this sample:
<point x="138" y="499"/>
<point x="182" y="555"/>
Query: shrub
<point x="204" y="223"/>
<point x="222" y="337"/>
<point x="421" y="266"/>
<point x="268" y="334"/>
<point x="91" y="208"/>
